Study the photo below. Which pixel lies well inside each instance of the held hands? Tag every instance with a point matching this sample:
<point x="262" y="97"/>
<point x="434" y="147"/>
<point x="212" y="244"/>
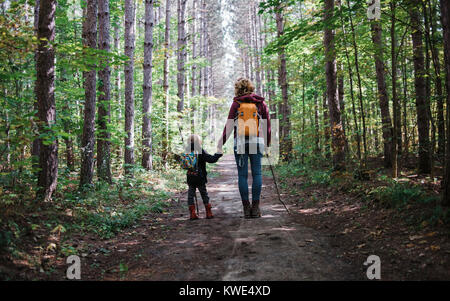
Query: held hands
<point x="220" y="148"/>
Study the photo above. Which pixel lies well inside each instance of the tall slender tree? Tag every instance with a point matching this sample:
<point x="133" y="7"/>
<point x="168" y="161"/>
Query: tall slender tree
<point x="358" y="77"/>
<point x="286" y="142"/>
<point x="130" y="19"/>
<point x="147" y="141"/>
<point x="395" y="104"/>
<point x="45" y="89"/>
<point x="166" y="85"/>
<point x="445" y="20"/>
<point x="382" y="92"/>
<point x="423" y="118"/>
<point x="181" y="45"/>
<point x="104" y="98"/>
<point x="35" y="150"/>
<point x="194" y="47"/>
<point x="337" y="133"/>
<point x="90" y="82"/>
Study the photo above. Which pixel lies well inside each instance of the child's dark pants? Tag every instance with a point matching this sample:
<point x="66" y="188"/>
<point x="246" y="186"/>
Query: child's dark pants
<point x="203" y="192"/>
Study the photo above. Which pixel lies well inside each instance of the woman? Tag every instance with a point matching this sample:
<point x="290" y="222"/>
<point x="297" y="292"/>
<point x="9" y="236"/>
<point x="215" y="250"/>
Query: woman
<point x="248" y="143"/>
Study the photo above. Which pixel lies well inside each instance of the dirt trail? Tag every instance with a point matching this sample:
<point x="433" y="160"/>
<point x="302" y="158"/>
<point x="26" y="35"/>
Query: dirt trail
<point x="229" y="247"/>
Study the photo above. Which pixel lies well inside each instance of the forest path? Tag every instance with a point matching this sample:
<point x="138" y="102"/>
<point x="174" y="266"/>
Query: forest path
<point x="229" y="247"/>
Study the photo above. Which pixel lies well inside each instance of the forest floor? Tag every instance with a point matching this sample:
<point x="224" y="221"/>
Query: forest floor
<point x="328" y="236"/>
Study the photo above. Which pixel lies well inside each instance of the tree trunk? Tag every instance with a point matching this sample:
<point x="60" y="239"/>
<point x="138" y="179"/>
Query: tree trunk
<point x="382" y="93"/>
<point x="404" y="105"/>
<point x="165" y="143"/>
<point x="352" y="94"/>
<point x="205" y="48"/>
<point x="337" y="134"/>
<point x="35" y="148"/>
<point x="45" y="88"/>
<point x="445" y="20"/>
<point x="341" y="92"/>
<point x="423" y="121"/>
<point x="326" y="126"/>
<point x="395" y="104"/>
<point x="434" y="39"/>
<point x="316" y="123"/>
<point x="117" y="86"/>
<point x="181" y="45"/>
<point x="358" y="76"/>
<point x="129" y="84"/>
<point x="194" y="48"/>
<point x="147" y="156"/>
<point x="286" y="142"/>
<point x="88" y="138"/>
<point x="104" y="98"/>
<point x="256" y="51"/>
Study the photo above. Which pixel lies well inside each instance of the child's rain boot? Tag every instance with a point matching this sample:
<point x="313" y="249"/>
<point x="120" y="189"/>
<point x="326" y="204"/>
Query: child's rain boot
<point x="192" y="212"/>
<point x="209" y="214"/>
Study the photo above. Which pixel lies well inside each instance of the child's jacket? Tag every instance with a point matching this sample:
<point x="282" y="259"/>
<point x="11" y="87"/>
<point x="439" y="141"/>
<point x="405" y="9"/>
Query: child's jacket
<point x="201" y="179"/>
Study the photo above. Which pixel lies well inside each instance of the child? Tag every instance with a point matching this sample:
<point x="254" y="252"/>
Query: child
<point x="198" y="178"/>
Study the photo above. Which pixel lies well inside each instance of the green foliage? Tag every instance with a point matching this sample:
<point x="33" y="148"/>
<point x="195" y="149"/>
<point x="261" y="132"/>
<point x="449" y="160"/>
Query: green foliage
<point x="308" y="172"/>
<point x="399" y="195"/>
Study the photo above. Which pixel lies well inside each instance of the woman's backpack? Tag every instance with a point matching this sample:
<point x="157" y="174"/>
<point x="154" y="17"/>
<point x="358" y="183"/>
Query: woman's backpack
<point x="247" y="119"/>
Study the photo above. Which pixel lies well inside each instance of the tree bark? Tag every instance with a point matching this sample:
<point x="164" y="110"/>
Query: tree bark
<point x="445" y="20"/>
<point x="194" y="48"/>
<point x="286" y="142"/>
<point x="35" y="148"/>
<point x="181" y="45"/>
<point x="358" y="76"/>
<point x="129" y="84"/>
<point x="423" y="121"/>
<point x="352" y="94"/>
<point x="45" y="89"/>
<point x="205" y="47"/>
<point x="337" y="133"/>
<point x="395" y="104"/>
<point x="90" y="81"/>
<point x="382" y="93"/>
<point x="104" y="98"/>
<point x="438" y="82"/>
<point x="256" y="51"/>
<point x="165" y="143"/>
<point x="147" y="156"/>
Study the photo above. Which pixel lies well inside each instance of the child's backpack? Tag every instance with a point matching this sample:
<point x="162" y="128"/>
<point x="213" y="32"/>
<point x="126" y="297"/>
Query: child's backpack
<point x="190" y="163"/>
<point x="247" y="119"/>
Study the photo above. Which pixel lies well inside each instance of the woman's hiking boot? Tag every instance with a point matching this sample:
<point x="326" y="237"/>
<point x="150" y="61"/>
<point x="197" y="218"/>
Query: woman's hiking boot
<point x="247" y="209"/>
<point x="209" y="214"/>
<point x="192" y="212"/>
<point x="255" y="211"/>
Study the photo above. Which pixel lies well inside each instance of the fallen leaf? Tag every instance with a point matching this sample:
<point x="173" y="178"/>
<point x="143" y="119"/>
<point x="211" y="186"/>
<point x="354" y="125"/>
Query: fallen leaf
<point x="435" y="248"/>
<point x="347" y="230"/>
<point x="360" y="246"/>
<point x="410" y="245"/>
<point x="51" y="247"/>
<point x="414" y="237"/>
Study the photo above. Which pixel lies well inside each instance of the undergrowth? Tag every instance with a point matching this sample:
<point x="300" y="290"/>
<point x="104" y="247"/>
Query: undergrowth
<point x="378" y="190"/>
<point x="103" y="209"/>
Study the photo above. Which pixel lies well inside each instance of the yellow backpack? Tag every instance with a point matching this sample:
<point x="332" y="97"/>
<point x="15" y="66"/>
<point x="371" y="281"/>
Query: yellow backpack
<point x="247" y="119"/>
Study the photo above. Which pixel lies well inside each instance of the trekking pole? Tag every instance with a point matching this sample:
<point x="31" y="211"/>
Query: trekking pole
<point x="276" y="185"/>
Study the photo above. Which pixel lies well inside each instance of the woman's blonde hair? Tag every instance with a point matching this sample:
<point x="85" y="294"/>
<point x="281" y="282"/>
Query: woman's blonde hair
<point x="243" y="86"/>
<point x="195" y="140"/>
